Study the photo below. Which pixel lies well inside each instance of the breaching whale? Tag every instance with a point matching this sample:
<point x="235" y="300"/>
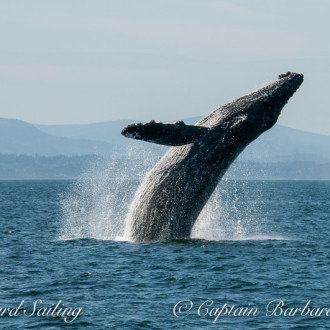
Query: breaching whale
<point x="171" y="196"/>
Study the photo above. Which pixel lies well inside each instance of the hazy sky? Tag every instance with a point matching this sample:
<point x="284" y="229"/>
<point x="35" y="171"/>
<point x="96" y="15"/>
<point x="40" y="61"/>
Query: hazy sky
<point x="82" y="61"/>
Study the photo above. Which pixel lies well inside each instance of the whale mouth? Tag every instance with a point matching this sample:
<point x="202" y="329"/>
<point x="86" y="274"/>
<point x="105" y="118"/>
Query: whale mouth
<point x="298" y="77"/>
<point x="291" y="81"/>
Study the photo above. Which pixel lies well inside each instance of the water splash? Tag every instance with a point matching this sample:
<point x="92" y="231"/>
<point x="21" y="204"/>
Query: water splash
<point x="97" y="203"/>
<point x="231" y="212"/>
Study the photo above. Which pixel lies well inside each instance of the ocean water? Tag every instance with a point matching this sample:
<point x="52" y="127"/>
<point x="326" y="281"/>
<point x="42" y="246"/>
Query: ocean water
<point x="258" y="259"/>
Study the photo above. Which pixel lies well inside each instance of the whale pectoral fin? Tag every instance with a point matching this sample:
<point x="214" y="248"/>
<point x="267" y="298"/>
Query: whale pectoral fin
<point x="176" y="134"/>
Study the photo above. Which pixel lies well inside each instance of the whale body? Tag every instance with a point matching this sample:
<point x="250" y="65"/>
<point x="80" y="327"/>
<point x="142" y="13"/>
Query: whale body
<point x="171" y="196"/>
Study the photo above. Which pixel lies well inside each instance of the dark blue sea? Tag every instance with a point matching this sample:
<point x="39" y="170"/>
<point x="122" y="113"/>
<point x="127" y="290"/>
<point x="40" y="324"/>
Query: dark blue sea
<point x="258" y="259"/>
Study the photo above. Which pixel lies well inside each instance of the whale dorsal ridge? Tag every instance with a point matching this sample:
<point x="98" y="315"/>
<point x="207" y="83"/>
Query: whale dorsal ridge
<point x="176" y="134"/>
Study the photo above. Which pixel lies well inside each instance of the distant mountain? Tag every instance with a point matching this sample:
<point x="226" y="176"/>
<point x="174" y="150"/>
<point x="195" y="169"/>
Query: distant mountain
<point x="279" y="144"/>
<point x="32" y="151"/>
<point x="284" y="144"/>
<point x="107" y="131"/>
<point x="19" y="137"/>
<point x="45" y="167"/>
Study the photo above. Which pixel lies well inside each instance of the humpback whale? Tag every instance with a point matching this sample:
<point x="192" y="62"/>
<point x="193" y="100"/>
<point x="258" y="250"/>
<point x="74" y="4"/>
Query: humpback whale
<point x="171" y="196"/>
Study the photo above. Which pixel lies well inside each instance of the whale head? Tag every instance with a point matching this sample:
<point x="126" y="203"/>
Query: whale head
<point x="260" y="109"/>
<point x="236" y="124"/>
<point x="268" y="102"/>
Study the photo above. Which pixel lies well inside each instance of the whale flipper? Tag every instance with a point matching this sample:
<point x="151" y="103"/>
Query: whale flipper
<point x="176" y="134"/>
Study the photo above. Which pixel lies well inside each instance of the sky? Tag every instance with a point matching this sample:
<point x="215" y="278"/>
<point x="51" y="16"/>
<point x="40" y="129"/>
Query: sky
<point x="87" y="61"/>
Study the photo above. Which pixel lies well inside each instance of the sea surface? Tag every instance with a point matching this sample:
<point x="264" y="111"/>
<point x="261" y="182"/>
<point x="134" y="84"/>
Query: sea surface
<point x="258" y="259"/>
